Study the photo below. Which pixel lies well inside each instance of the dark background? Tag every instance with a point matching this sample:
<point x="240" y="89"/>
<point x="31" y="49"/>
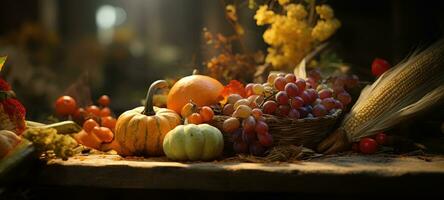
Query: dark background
<point x="51" y="44"/>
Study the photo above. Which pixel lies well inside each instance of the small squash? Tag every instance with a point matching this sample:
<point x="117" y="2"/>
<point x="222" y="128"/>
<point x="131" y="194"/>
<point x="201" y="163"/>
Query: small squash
<point x="202" y="90"/>
<point x="141" y="131"/>
<point x="193" y="142"/>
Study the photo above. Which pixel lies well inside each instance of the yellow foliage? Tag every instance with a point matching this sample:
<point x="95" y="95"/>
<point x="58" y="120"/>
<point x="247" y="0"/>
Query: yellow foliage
<point x="290" y="34"/>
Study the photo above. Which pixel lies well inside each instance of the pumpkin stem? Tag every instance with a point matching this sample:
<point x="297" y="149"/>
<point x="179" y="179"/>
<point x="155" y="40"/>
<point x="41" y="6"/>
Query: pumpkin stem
<point x="195" y="72"/>
<point x="159" y="84"/>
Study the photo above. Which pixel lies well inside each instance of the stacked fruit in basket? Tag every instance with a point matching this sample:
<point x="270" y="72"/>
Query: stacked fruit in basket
<point x="285" y="96"/>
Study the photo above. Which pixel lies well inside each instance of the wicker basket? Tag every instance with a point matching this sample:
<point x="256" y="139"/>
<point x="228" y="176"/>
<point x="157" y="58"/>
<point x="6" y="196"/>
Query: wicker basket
<point x="308" y="132"/>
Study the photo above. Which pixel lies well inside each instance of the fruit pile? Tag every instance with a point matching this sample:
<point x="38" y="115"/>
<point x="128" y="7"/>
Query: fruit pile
<point x="283" y="95"/>
<point x="196" y="115"/>
<point x="97" y="120"/>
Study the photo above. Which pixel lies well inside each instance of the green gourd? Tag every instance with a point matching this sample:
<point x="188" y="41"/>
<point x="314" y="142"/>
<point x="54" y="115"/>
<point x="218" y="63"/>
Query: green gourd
<point x="193" y="142"/>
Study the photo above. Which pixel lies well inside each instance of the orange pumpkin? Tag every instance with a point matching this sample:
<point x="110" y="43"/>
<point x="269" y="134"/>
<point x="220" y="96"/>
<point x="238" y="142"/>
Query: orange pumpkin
<point x="202" y="90"/>
<point x="141" y="131"/>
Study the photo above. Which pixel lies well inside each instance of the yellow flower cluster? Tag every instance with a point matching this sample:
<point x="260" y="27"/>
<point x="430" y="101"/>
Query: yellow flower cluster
<point x="290" y="35"/>
<point x="326" y="25"/>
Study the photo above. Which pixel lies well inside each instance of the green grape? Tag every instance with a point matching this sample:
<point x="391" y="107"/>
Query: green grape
<point x="258" y="89"/>
<point x="268" y="91"/>
<point x="243" y="111"/>
<point x="241" y="102"/>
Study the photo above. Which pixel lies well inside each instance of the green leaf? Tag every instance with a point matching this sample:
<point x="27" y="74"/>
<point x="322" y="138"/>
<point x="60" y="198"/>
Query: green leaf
<point x="2" y="61"/>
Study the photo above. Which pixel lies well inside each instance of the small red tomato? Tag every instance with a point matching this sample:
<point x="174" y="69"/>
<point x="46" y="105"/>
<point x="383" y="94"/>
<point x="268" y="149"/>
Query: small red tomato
<point x="89" y="124"/>
<point x="105" y="112"/>
<point x="368" y="146"/>
<point x="206" y="113"/>
<point x="379" y="66"/>
<point x="195" y="118"/>
<point x="104" y="100"/>
<point x="108" y="122"/>
<point x="93" y="110"/>
<point x="381" y="138"/>
<point x="65" y="105"/>
<point x="79" y="114"/>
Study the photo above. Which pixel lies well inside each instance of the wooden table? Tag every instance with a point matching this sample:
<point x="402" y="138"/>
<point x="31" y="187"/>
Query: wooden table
<point x="348" y="174"/>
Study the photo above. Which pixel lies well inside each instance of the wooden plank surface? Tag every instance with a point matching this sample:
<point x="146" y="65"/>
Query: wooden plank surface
<point x="346" y="174"/>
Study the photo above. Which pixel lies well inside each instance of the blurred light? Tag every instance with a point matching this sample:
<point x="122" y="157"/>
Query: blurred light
<point x="120" y="15"/>
<point x="106" y="17"/>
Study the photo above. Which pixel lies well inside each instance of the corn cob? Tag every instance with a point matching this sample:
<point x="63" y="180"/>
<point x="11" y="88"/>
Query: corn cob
<point x="396" y="90"/>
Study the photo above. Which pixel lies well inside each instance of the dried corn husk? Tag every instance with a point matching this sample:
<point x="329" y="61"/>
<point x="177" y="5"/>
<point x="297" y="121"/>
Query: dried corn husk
<point x="404" y="91"/>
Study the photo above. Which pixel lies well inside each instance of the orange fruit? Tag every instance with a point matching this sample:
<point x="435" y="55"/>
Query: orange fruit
<point x="202" y="90"/>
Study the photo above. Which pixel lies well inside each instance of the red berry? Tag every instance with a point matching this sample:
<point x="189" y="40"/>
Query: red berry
<point x="329" y="103"/>
<point x="290" y="78"/>
<point x="283" y="110"/>
<point x="313" y="95"/>
<point x="249" y="89"/>
<point x="279" y="83"/>
<point x="368" y="146"/>
<point x="249" y="137"/>
<point x="79" y="114"/>
<point x="291" y="89"/>
<point x="65" y="105"/>
<point x="381" y="138"/>
<point x="312" y="82"/>
<point x="282" y="98"/>
<point x="319" y="110"/>
<point x="379" y="66"/>
<point x="301" y="84"/>
<point x="249" y="124"/>
<point x="207" y="113"/>
<point x="261" y="127"/>
<point x="344" y="98"/>
<point x="104" y="112"/>
<point x="104" y="100"/>
<point x="270" y="107"/>
<point x="339" y="105"/>
<point x="93" y="110"/>
<point x="296" y="102"/>
<point x="325" y="93"/>
<point x="257" y="113"/>
<point x="305" y="97"/>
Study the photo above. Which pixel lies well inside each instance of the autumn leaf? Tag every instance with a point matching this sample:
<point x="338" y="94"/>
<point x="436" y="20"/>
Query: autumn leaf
<point x="234" y="87"/>
<point x="2" y="61"/>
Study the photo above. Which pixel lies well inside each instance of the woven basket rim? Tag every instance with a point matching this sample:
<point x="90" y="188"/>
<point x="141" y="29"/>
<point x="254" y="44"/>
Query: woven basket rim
<point x="335" y="115"/>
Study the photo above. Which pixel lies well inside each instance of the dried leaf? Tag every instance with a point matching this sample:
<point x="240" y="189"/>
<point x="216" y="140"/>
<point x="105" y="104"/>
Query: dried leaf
<point x="300" y="71"/>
